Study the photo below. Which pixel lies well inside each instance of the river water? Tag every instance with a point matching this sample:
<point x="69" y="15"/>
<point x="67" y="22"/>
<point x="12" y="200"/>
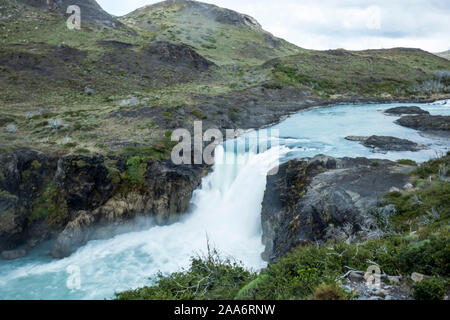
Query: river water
<point x="225" y="209"/>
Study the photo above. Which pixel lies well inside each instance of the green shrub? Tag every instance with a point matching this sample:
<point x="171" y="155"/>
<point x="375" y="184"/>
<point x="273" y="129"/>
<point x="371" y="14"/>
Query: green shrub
<point x="412" y="207"/>
<point x="50" y="205"/>
<point x="406" y="162"/>
<point x="198" y="113"/>
<point x="82" y="151"/>
<point x="327" y="292"/>
<point x="429" y="289"/>
<point x="143" y="151"/>
<point x="432" y="168"/>
<point x="308" y="272"/>
<point x="69" y="145"/>
<point x="136" y="169"/>
<point x="428" y="256"/>
<point x="36" y="165"/>
<point x="273" y="85"/>
<point x="234" y="117"/>
<point x="209" y="277"/>
<point x="167" y="115"/>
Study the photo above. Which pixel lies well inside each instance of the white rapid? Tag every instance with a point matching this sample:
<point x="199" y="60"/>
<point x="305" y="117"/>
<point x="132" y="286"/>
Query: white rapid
<point x="225" y="210"/>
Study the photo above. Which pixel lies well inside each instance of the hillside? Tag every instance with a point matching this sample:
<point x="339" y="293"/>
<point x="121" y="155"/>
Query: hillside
<point x="222" y="35"/>
<point x="161" y="67"/>
<point x="90" y="9"/>
<point x="445" y="54"/>
<point x="390" y="73"/>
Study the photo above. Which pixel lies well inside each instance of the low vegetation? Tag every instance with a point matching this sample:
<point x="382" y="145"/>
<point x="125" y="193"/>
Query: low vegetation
<point x="208" y="278"/>
<point x="385" y="73"/>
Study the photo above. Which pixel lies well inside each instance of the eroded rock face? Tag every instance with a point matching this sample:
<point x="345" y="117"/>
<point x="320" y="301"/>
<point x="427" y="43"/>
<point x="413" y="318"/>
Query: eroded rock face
<point x="77" y="198"/>
<point x="321" y="199"/>
<point x="399" y="111"/>
<point x="168" y="191"/>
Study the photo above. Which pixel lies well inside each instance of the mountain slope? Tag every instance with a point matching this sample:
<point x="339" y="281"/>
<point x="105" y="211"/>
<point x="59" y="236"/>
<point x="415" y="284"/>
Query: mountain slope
<point x="90" y="10"/>
<point x="389" y="72"/>
<point x="222" y="35"/>
<point x="445" y="54"/>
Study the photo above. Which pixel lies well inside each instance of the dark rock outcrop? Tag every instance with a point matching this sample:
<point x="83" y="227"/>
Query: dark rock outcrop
<point x="154" y="61"/>
<point x="78" y="198"/>
<point x="426" y="123"/>
<point x="321" y="199"/>
<point x="179" y="55"/>
<point x="168" y="191"/>
<point x="399" y="111"/>
<point x="386" y="143"/>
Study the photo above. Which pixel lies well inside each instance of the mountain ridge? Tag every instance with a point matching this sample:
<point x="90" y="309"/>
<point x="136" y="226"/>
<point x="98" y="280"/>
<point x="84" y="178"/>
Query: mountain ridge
<point x="91" y="11"/>
<point x="444" y="54"/>
<point x="222" y="35"/>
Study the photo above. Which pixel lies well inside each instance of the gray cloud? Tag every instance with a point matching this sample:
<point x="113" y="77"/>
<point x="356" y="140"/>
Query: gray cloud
<point x="329" y="24"/>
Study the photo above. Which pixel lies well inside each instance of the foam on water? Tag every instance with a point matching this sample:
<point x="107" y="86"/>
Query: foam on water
<point x="226" y="209"/>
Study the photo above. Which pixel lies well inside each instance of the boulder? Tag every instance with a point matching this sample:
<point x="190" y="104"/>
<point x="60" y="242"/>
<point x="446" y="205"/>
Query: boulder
<point x="381" y="293"/>
<point x="132" y="102"/>
<point x="89" y="91"/>
<point x="355" y="276"/>
<point x="400" y="111"/>
<point x="75" y="235"/>
<point x="417" y="277"/>
<point x="386" y="143"/>
<point x="356" y="138"/>
<point x="427" y="123"/>
<point x="11" y="128"/>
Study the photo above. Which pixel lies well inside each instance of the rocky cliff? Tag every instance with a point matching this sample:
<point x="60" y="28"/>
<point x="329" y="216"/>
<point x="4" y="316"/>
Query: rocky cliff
<point x="322" y="199"/>
<point x="79" y="198"/>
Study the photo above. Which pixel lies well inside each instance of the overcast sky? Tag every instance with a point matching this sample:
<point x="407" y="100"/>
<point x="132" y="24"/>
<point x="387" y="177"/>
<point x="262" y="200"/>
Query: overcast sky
<point x="330" y="24"/>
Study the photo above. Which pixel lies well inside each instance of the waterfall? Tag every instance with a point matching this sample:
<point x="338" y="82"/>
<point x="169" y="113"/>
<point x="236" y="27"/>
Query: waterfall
<point x="225" y="209"/>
